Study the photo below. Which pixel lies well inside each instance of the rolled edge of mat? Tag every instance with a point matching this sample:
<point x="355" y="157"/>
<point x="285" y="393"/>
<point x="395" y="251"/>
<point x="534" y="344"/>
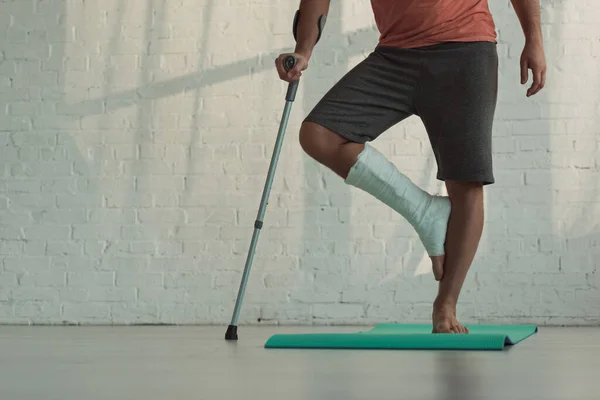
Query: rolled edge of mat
<point x="386" y="342"/>
<point x="511" y="341"/>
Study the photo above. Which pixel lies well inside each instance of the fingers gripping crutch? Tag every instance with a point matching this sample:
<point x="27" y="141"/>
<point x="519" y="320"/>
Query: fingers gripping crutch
<point x="289" y="62"/>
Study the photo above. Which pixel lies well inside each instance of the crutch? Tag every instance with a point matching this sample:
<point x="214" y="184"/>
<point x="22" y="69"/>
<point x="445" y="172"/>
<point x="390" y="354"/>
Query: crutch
<point x="289" y="63"/>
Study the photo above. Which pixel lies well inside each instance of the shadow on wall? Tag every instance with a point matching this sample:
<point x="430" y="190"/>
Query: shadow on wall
<point x="134" y="224"/>
<point x="91" y="209"/>
<point x="144" y="96"/>
<point x="93" y="114"/>
<point x="95" y="119"/>
<point x="47" y="185"/>
<point x="72" y="186"/>
<point x="168" y="162"/>
<point x="107" y="184"/>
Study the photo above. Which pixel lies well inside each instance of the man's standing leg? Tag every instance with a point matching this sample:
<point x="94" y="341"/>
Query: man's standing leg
<point x="464" y="232"/>
<point x="457" y="101"/>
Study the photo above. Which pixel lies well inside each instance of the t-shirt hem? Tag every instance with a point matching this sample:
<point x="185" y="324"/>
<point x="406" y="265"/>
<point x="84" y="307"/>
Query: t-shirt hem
<point x="425" y="43"/>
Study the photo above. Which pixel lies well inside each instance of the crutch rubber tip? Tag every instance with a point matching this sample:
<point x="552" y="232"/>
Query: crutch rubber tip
<point x="231" y="333"/>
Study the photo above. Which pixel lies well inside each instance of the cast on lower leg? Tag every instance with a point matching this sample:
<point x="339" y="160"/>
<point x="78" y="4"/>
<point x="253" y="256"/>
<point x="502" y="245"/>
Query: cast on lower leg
<point x="428" y="214"/>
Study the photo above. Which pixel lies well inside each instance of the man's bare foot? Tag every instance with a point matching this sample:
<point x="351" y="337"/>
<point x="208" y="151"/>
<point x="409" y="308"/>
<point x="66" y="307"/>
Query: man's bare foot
<point x="444" y="320"/>
<point x="437" y="264"/>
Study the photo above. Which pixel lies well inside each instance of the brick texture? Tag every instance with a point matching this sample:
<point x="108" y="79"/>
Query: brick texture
<point x="135" y="138"/>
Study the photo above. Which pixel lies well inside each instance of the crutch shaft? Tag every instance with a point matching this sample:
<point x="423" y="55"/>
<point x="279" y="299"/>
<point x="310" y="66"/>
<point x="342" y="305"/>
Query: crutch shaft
<point x="231" y="333"/>
<point x="262" y="209"/>
<point x="289" y="62"/>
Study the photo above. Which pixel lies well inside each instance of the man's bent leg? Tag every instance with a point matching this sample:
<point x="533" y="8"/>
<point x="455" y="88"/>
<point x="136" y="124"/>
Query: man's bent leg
<point x="457" y="101"/>
<point x="363" y="167"/>
<point x="375" y="95"/>
<point x="329" y="149"/>
<point x="464" y="232"/>
<point x="376" y="175"/>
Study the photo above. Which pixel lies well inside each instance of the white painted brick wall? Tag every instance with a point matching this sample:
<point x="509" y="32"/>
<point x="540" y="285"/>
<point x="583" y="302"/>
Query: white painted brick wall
<point x="135" y="137"/>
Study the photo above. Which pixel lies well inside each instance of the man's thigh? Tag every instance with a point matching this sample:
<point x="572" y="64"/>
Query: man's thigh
<point x="372" y="97"/>
<point x="457" y="101"/>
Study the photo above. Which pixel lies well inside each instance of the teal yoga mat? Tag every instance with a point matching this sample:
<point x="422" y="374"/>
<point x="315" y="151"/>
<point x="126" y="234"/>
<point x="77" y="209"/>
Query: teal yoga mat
<point x="413" y="337"/>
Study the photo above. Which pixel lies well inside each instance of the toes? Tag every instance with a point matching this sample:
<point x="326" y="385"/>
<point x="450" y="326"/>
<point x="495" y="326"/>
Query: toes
<point x="442" y="328"/>
<point x="458" y="328"/>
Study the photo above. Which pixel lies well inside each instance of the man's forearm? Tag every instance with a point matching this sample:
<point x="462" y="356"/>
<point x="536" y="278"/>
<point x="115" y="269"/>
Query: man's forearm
<point x="308" y="28"/>
<point x="528" y="12"/>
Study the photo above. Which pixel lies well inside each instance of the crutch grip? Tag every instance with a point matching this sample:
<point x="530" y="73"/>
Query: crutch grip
<point x="288" y="63"/>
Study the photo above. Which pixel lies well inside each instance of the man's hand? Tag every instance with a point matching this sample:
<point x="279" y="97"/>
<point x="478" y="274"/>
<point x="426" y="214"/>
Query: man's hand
<point x="533" y="59"/>
<point x="294" y="73"/>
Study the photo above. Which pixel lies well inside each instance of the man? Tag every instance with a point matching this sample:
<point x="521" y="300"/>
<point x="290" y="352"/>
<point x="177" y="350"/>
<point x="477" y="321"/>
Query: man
<point x="435" y="59"/>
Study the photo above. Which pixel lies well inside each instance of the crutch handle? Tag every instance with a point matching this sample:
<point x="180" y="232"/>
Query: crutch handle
<point x="288" y="63"/>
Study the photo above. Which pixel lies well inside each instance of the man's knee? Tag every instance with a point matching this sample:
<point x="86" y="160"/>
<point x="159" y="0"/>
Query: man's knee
<point x="307" y="137"/>
<point x="328" y="148"/>
<point x="319" y="142"/>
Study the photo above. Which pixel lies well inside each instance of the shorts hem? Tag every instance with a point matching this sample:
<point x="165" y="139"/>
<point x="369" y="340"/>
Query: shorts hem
<point x="484" y="180"/>
<point x="335" y="129"/>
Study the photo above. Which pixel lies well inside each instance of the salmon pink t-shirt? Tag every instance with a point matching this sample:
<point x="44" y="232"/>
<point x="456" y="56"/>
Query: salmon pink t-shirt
<point x="417" y="23"/>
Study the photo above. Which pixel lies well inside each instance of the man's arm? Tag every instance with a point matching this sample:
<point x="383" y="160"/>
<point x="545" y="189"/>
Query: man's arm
<point x="308" y="25"/>
<point x="528" y="12"/>
<point x="306" y="38"/>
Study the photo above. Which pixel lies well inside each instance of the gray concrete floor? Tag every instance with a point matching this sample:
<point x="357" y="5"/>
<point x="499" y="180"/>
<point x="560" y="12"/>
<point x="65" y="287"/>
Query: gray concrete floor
<point x="88" y="363"/>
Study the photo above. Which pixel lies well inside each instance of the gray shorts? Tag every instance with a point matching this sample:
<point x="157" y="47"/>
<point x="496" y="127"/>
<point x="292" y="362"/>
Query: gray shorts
<point x="452" y="87"/>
